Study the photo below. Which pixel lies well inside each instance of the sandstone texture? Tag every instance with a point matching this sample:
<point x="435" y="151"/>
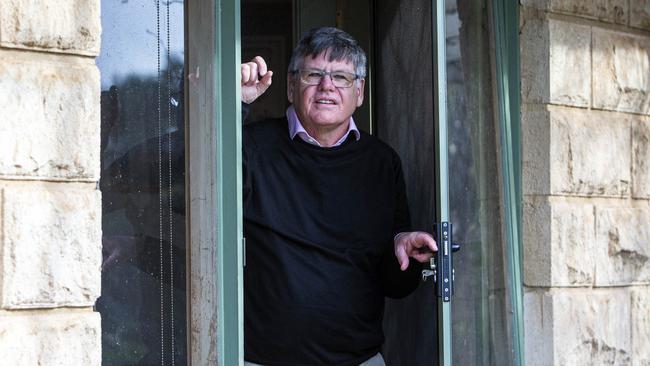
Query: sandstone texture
<point x="538" y="330"/>
<point x="50" y="119"/>
<point x="590" y="153"/>
<point x="611" y="11"/>
<point x="56" y="339"/>
<point x="534" y="53"/>
<point x="622" y="246"/>
<point x="70" y="26"/>
<point x="641" y="158"/>
<point x="536" y="233"/>
<point x="535" y="154"/>
<point x="640" y="14"/>
<point x="621" y="71"/>
<point x="557" y="236"/>
<point x="554" y="69"/>
<point x="50" y="207"/>
<point x="576" y="152"/>
<point x="589" y="327"/>
<point x="585" y="149"/>
<point x="640" y="306"/>
<point x="50" y="253"/>
<point x="575" y="327"/>
<point x="569" y="63"/>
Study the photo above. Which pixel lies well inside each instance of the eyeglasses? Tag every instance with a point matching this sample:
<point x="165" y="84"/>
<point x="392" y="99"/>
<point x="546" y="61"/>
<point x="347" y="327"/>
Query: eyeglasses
<point x="340" y="79"/>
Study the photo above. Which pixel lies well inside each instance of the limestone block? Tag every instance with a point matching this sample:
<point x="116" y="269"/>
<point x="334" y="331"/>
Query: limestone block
<point x="538" y="330"/>
<point x="536" y="233"/>
<point x="50" y="118"/>
<point x="71" y="26"/>
<point x="51" y="246"/>
<point x="612" y="11"/>
<point x="621" y="71"/>
<point x="535" y="153"/>
<point x="590" y="327"/>
<point x="556" y="63"/>
<point x="570" y="151"/>
<point x="557" y="235"/>
<point x="56" y="339"/>
<point x="574" y="327"/>
<point x="640" y="14"/>
<point x="640" y="299"/>
<point x="590" y="152"/>
<point x="534" y="50"/>
<point x="570" y="63"/>
<point x="641" y="158"/>
<point x="622" y="246"/>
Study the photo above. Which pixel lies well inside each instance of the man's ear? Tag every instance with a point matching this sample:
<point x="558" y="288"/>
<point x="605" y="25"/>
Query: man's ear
<point x="361" y="83"/>
<point x="290" y="88"/>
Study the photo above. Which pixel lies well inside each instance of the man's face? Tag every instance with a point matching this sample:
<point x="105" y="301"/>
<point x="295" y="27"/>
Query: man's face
<point x="324" y="105"/>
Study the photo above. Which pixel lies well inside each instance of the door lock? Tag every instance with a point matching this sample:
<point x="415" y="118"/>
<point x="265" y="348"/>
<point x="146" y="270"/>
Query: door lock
<point x="426" y="273"/>
<point x="441" y="265"/>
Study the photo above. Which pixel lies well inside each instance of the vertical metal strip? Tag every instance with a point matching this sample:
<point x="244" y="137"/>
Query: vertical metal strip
<point x="160" y="188"/>
<point x="441" y="151"/>
<point x="229" y="183"/>
<point x="505" y="20"/>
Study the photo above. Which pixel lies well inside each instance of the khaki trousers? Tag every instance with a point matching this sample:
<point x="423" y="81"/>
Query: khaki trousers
<point x="375" y="360"/>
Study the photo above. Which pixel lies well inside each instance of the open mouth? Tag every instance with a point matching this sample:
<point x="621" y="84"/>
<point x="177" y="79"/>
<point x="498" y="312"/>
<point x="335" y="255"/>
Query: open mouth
<point x="325" y="101"/>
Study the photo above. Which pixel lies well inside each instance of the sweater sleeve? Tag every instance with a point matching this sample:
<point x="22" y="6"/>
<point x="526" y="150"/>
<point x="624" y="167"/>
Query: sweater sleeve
<point x="398" y="283"/>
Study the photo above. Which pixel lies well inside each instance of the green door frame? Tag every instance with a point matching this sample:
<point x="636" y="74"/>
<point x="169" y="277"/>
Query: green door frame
<point x="442" y="167"/>
<point x="230" y="251"/>
<point x="227" y="175"/>
<point x="214" y="181"/>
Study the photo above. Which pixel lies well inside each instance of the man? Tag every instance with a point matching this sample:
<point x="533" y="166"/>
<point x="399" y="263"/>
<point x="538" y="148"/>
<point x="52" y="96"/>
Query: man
<point x="326" y="218"/>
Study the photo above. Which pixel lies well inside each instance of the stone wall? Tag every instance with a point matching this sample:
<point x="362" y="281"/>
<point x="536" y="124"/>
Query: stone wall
<point x="585" y="91"/>
<point x="50" y="205"/>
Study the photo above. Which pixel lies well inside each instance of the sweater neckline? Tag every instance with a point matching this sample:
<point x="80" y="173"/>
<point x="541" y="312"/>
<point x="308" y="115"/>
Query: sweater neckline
<point x="350" y="143"/>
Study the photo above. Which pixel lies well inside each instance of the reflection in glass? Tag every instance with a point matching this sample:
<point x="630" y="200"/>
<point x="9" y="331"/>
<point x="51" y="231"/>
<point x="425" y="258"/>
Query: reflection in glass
<point x="480" y="313"/>
<point x="143" y="182"/>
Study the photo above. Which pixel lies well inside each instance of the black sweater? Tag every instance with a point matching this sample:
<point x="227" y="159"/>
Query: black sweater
<point x="319" y="226"/>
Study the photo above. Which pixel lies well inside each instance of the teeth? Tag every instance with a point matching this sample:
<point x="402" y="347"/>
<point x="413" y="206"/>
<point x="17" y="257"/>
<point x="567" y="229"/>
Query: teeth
<point x="321" y="101"/>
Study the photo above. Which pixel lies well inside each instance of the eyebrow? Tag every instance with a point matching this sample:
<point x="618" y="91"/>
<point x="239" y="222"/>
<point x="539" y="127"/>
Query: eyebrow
<point x="317" y="69"/>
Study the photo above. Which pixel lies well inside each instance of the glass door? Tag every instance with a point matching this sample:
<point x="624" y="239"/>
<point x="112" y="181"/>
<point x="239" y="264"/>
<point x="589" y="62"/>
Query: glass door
<point x="434" y="103"/>
<point x="432" y="98"/>
<point x="144" y="272"/>
<point x="482" y="326"/>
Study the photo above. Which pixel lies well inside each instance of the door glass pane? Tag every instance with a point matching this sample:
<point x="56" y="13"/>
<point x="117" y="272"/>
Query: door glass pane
<point x="143" y="302"/>
<point x="480" y="312"/>
<point x="404" y="115"/>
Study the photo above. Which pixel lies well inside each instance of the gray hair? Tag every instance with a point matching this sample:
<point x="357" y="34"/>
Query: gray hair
<point x="341" y="47"/>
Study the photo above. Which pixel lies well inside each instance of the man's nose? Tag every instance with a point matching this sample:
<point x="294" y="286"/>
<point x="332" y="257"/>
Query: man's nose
<point x="326" y="83"/>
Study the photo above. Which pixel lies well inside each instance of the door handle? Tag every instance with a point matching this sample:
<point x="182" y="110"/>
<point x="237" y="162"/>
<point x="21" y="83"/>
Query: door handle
<point x="441" y="266"/>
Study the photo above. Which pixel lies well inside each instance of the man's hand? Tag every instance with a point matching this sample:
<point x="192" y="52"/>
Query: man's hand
<point x="415" y="244"/>
<point x="255" y="79"/>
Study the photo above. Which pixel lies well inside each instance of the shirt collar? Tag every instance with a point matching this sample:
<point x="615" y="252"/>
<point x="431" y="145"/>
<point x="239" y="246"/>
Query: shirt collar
<point x="296" y="128"/>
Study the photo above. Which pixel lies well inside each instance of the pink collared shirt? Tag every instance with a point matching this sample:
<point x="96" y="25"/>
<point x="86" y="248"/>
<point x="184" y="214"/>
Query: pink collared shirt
<point x="296" y="128"/>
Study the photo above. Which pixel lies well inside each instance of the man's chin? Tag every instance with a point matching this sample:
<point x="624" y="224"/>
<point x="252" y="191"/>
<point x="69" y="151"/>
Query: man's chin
<point x="328" y="123"/>
<point x="328" y="119"/>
